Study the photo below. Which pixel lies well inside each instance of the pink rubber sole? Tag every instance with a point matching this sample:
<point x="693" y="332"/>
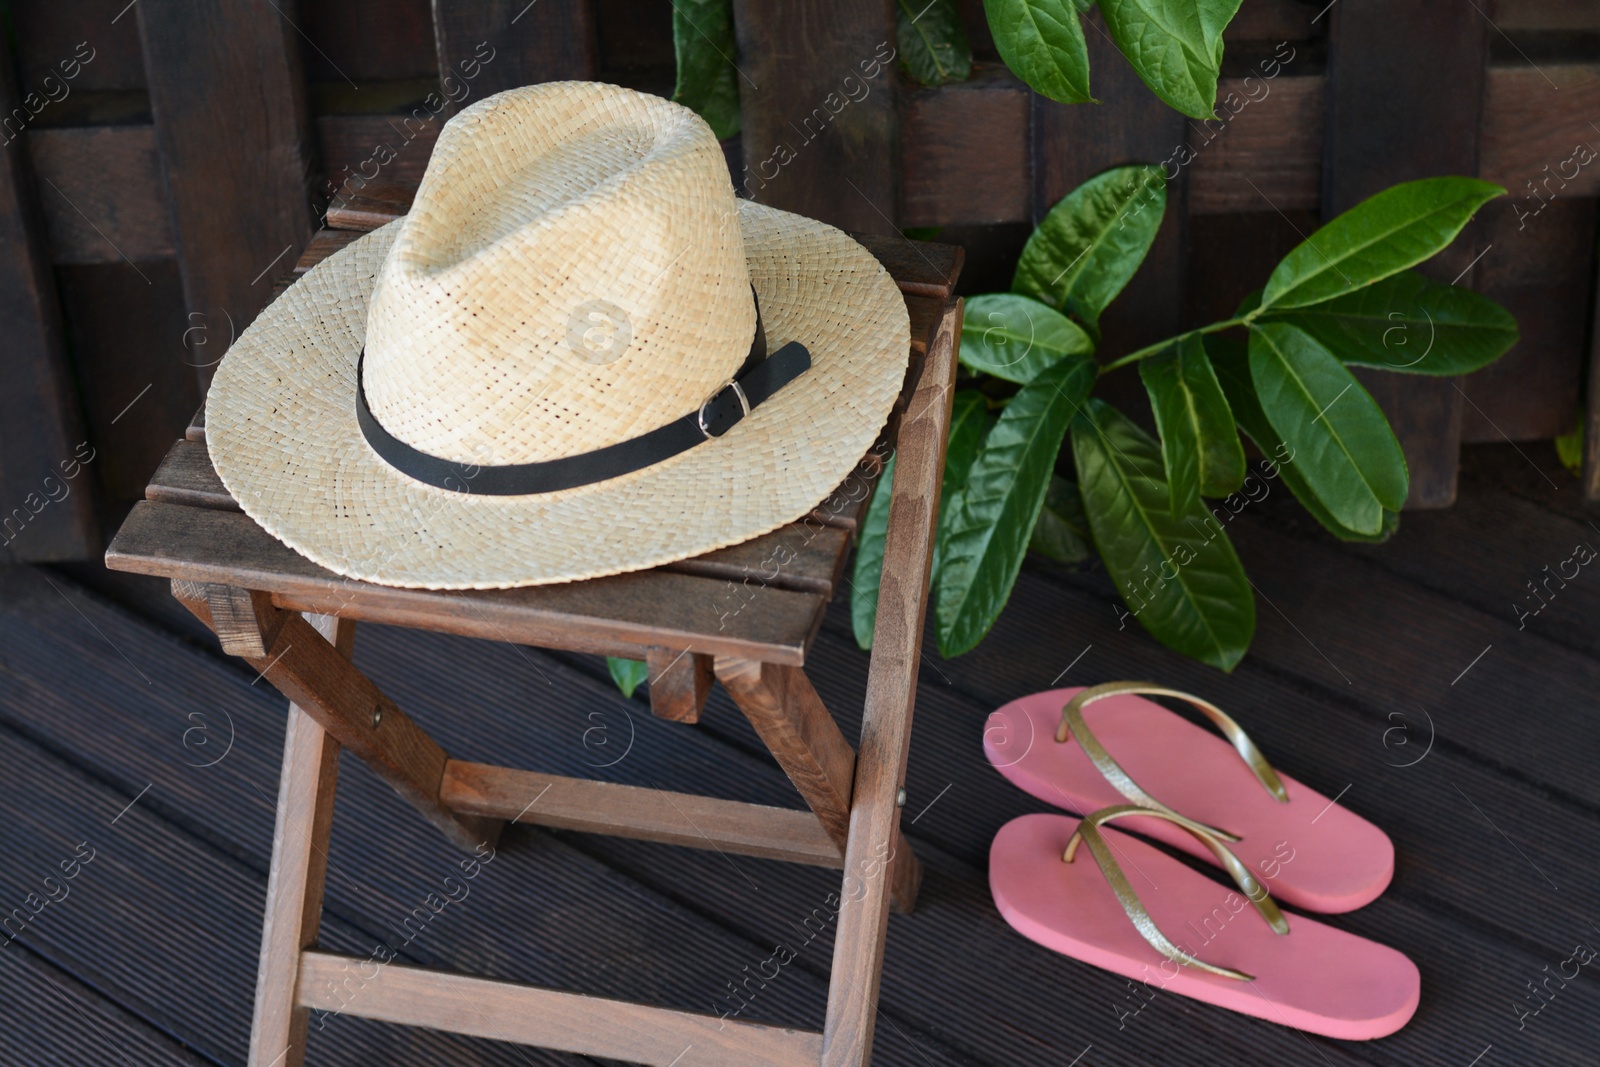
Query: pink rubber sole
<point x="1314" y="978"/>
<point x="1310" y="852"/>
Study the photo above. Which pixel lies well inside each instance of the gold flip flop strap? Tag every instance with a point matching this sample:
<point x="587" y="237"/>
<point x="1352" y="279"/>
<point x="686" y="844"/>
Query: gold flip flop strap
<point x="1073" y="725"/>
<point x="1089" y="833"/>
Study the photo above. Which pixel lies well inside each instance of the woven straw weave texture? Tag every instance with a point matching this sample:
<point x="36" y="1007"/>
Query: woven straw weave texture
<point x="575" y="249"/>
<point x="281" y="428"/>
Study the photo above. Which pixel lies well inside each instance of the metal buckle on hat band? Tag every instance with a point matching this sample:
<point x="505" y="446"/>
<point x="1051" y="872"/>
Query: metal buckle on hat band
<point x="744" y="404"/>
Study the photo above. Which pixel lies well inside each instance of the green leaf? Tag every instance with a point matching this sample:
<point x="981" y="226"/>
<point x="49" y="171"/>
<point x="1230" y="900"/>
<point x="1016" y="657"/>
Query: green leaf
<point x="1176" y="571"/>
<point x="969" y="422"/>
<point x="869" y="559"/>
<point x="1569" y="448"/>
<point x="1232" y="363"/>
<point x="1342" y="443"/>
<point x="1199" y="444"/>
<point x="627" y="673"/>
<point x="1381" y="236"/>
<point x="1174" y="45"/>
<point x="1410" y="324"/>
<point x="1084" y="251"/>
<point x="933" y="46"/>
<point x="708" y="81"/>
<point x="1042" y="42"/>
<point x="990" y="525"/>
<point x="1062" y="532"/>
<point x="1015" y="337"/>
<point x="968" y="418"/>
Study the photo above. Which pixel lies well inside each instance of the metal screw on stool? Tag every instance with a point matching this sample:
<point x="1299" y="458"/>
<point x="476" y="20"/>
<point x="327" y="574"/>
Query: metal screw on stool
<point x="377" y="716"/>
<point x="900" y="798"/>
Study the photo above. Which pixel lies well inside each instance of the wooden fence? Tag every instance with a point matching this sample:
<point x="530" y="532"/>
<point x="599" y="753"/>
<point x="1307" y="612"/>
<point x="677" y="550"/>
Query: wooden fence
<point x="164" y="161"/>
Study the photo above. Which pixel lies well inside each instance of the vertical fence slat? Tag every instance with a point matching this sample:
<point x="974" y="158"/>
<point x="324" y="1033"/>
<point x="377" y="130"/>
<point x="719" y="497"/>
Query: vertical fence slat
<point x="817" y="102"/>
<point x="1591" y="419"/>
<point x="135" y="359"/>
<point x="1074" y="142"/>
<point x="1392" y="118"/>
<point x="40" y="425"/>
<point x="1539" y="268"/>
<point x="494" y="45"/>
<point x="227" y="93"/>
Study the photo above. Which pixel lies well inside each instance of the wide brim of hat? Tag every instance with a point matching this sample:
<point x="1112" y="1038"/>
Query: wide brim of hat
<point x="281" y="428"/>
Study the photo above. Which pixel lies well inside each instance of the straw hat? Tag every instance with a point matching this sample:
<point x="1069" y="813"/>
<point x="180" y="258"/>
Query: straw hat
<point x="526" y="380"/>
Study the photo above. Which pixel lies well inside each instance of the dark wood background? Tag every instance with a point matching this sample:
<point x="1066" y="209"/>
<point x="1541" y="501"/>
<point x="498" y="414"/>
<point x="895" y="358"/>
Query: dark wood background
<point x="149" y="201"/>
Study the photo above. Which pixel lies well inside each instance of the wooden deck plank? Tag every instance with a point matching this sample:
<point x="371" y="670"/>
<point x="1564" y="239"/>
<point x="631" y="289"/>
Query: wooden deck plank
<point x="1466" y="905"/>
<point x="58" y="1009"/>
<point x="539" y="912"/>
<point x="788" y="903"/>
<point x="1488" y="702"/>
<point x="154" y="908"/>
<point x="1328" y="735"/>
<point x="127" y="731"/>
<point x="947" y="753"/>
<point x="1530" y="472"/>
<point x="623" y="615"/>
<point x="1515" y="541"/>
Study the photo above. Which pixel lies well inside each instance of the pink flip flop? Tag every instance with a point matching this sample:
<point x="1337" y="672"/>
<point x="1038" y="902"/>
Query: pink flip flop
<point x="1300" y="973"/>
<point x="1058" y="745"/>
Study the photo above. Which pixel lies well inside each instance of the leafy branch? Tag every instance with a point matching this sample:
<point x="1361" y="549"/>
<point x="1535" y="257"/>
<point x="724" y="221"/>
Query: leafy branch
<point x="1175" y="46"/>
<point x="1276" y="372"/>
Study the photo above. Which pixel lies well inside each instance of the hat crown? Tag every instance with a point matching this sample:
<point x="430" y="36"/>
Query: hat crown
<point x="571" y="275"/>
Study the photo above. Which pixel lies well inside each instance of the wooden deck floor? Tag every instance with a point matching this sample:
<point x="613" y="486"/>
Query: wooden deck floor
<point x="1399" y="678"/>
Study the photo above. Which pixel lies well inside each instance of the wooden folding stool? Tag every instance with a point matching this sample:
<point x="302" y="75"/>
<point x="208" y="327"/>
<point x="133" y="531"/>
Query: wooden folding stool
<point x="294" y="622"/>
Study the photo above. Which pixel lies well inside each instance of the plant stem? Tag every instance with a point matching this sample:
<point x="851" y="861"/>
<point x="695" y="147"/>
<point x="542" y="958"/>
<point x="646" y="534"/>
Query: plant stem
<point x="1150" y="350"/>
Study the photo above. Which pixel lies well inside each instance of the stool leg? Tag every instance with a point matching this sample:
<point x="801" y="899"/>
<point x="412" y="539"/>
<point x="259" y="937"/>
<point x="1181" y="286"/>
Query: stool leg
<point x="797" y="729"/>
<point x="874" y="869"/>
<point x="299" y="868"/>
